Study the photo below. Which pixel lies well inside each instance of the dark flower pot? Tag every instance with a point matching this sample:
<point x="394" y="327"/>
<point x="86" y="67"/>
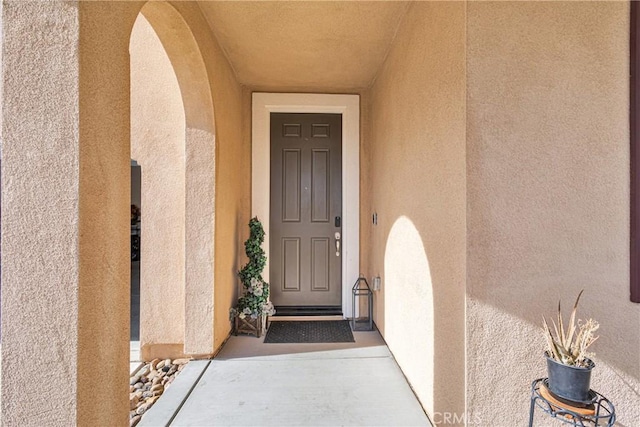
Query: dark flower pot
<point x="569" y="382"/>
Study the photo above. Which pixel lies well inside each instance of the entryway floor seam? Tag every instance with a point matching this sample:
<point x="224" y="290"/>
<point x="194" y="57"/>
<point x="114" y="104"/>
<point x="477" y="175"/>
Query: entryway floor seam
<point x="293" y="359"/>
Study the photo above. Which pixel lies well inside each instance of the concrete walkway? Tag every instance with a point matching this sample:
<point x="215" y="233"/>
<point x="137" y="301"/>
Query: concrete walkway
<point x="255" y="384"/>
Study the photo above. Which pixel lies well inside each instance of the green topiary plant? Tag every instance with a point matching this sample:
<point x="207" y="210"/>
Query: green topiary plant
<point x="254" y="301"/>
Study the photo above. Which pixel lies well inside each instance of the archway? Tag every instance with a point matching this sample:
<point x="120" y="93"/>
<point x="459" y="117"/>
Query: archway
<point x="172" y="119"/>
<point x="158" y="146"/>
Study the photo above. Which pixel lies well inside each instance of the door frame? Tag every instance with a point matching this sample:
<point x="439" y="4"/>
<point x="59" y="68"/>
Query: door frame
<point x="263" y="104"/>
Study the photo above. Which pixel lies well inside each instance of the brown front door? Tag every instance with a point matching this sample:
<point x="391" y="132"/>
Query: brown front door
<point x="306" y="210"/>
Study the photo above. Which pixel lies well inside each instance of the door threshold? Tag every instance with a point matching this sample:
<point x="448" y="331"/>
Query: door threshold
<point x="305" y="318"/>
<point x="315" y="310"/>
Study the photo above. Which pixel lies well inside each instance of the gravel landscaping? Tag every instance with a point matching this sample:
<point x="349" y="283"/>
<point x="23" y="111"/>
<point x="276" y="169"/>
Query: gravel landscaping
<point x="149" y="382"/>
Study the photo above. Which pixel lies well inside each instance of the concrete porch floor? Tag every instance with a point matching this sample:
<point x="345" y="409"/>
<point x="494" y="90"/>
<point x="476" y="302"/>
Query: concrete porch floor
<point x="251" y="383"/>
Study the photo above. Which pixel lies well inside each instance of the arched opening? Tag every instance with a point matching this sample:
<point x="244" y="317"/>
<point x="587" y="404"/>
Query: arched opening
<point x="158" y="145"/>
<point x="172" y="138"/>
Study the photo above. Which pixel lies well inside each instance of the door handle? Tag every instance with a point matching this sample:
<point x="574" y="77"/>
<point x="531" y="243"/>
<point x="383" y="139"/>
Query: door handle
<point x="337" y="236"/>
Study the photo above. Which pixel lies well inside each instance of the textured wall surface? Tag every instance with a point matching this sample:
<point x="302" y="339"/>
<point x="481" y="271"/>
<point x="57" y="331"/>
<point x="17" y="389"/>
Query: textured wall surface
<point x="414" y="178"/>
<point x="214" y="174"/>
<point x="158" y="145"/>
<point x="40" y="160"/>
<point x="66" y="168"/>
<point x="105" y="186"/>
<point x="200" y="164"/>
<point x="64" y="219"/>
<point x="232" y="170"/>
<point x="548" y="197"/>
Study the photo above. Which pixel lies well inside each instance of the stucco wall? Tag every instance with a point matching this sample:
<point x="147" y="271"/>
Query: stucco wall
<point x="158" y="145"/>
<point x="38" y="137"/>
<point x="548" y="197"/>
<point x="104" y="210"/>
<point x="216" y="176"/>
<point x="64" y="213"/>
<point x="232" y="170"/>
<point x="413" y="164"/>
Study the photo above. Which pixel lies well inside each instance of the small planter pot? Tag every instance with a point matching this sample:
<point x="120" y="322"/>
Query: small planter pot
<point x="249" y="326"/>
<point x="569" y="382"/>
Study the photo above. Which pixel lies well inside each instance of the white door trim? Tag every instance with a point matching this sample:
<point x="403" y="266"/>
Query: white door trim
<point x="349" y="106"/>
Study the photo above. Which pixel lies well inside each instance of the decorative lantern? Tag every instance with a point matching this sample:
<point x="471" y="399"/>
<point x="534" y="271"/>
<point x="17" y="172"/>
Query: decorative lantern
<point x="362" y="306"/>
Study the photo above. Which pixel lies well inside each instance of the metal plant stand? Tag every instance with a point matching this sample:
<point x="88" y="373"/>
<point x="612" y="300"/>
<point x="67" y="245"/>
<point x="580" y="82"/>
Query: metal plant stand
<point x="599" y="412"/>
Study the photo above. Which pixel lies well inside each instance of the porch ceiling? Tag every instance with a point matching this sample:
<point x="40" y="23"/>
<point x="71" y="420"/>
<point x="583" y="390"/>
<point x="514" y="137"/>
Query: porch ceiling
<point x="329" y="46"/>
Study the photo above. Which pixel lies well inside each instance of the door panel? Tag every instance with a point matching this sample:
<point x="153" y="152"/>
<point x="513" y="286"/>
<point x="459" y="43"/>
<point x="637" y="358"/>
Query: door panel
<point x="320" y="185"/>
<point x="291" y="185"/>
<point x="306" y="197"/>
<point x="291" y="264"/>
<point x="320" y="264"/>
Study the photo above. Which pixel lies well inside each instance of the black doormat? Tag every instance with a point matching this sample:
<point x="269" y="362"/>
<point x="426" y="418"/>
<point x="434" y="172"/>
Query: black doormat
<point x="322" y="331"/>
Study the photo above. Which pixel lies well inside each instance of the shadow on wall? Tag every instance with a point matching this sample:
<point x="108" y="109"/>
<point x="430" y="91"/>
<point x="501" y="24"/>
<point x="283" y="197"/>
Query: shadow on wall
<point x="409" y="308"/>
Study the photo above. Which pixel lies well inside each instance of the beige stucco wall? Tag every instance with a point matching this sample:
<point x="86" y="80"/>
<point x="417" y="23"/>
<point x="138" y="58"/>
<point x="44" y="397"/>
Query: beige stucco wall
<point x="158" y="145"/>
<point x="104" y="210"/>
<point x="548" y="197"/>
<point x="232" y="171"/>
<point x="64" y="212"/>
<point x="413" y="168"/>
<point x="183" y="50"/>
<point x="66" y="152"/>
<point x="216" y="176"/>
<point x="34" y="142"/>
